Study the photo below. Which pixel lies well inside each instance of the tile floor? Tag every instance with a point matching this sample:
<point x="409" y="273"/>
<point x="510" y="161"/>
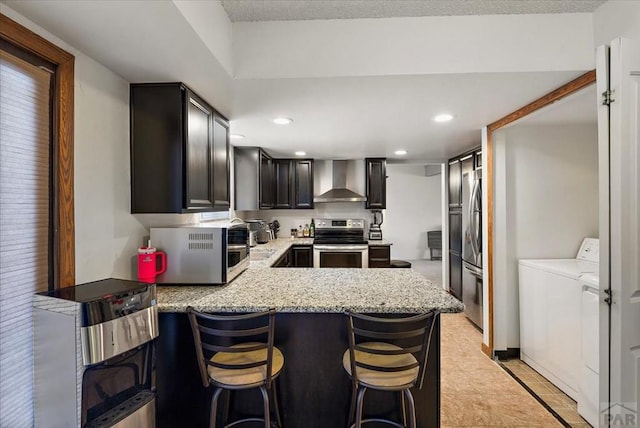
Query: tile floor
<point x="561" y="403"/>
<point x="431" y="269"/>
<point x="476" y="391"/>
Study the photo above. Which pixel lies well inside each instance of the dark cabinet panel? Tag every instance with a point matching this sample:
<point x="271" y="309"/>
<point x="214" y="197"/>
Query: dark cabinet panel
<point x="455" y="231"/>
<point x="303" y="183"/>
<point x="379" y="256"/>
<point x="284" y="181"/>
<point x="455" y="274"/>
<point x="478" y="156"/>
<point x="455" y="183"/>
<point x="199" y="189"/>
<point x="177" y="164"/>
<point x="221" y="167"/>
<point x="267" y="187"/>
<point x="376" y="183"/>
<point x="284" y="260"/>
<point x="302" y="256"/>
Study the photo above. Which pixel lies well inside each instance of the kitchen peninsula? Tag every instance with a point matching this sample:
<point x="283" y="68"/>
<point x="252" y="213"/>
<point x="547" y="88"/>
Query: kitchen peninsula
<point x="310" y="331"/>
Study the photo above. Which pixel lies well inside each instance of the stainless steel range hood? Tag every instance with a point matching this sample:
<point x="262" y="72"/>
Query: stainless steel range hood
<point x="339" y="191"/>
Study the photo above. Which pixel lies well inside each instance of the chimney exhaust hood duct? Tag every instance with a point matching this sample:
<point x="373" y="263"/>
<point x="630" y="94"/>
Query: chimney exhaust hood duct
<point x="339" y="191"/>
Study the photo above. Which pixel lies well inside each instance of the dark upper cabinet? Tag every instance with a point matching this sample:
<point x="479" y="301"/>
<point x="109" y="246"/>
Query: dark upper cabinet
<point x="221" y="164"/>
<point x="455" y="183"/>
<point x="478" y="156"/>
<point x="199" y="153"/>
<point x="303" y="183"/>
<point x="253" y="174"/>
<point x="283" y="170"/>
<point x="284" y="183"/>
<point x="267" y="182"/>
<point x="376" y="183"/>
<point x="174" y="164"/>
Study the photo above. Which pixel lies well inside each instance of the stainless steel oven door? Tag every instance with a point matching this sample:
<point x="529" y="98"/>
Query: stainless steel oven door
<point x="340" y="256"/>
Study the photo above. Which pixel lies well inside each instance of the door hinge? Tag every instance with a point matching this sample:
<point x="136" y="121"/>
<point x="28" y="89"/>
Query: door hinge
<point x="607" y="97"/>
<point x="608" y="300"/>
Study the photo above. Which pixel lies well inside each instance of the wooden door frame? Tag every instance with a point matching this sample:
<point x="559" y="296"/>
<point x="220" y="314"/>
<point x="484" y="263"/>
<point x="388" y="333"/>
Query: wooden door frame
<point x="62" y="134"/>
<point x="563" y="91"/>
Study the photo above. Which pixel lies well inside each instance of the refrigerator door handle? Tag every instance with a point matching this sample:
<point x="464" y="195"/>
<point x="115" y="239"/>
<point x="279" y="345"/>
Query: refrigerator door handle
<point x="473" y="270"/>
<point x="472" y="225"/>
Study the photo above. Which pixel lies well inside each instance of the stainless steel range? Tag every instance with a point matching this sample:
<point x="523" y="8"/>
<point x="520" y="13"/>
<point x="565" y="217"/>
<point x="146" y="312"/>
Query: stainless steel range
<point x="340" y="243"/>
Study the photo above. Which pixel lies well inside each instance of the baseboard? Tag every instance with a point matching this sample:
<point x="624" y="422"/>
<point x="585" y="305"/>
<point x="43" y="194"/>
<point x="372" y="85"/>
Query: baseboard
<point x="509" y="354"/>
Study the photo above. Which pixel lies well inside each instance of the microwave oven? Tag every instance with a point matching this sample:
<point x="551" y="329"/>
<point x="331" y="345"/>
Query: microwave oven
<point x="202" y="253"/>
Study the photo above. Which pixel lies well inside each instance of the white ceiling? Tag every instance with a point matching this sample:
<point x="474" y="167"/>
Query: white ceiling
<point x="344" y="116"/>
<point x="286" y="10"/>
<point x="352" y="117"/>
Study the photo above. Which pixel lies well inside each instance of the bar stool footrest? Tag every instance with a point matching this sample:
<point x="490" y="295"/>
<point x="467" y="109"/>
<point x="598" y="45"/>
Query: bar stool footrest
<point x="380" y="421"/>
<point x="247" y="420"/>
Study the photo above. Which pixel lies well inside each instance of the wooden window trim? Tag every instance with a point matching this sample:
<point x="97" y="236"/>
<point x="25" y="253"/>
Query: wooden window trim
<point x="62" y="132"/>
<point x="563" y="91"/>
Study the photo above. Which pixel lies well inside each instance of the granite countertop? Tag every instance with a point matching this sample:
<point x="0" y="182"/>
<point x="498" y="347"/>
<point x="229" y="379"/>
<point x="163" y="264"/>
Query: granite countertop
<point x="381" y="242"/>
<point x="261" y="287"/>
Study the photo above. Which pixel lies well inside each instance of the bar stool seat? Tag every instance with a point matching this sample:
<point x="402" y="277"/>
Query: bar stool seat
<point x="249" y="377"/>
<point x="380" y="379"/>
<point x="387" y="354"/>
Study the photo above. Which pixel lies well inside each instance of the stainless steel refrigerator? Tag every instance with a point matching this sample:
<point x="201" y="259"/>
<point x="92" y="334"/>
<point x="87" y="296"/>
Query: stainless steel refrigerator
<point x="472" y="245"/>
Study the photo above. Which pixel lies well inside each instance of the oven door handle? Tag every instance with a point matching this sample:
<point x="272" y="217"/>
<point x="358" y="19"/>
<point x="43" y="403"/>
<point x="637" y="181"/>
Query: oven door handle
<point x="340" y="247"/>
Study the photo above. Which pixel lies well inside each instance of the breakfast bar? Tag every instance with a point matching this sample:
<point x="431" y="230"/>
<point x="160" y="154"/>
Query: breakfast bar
<point x="310" y="331"/>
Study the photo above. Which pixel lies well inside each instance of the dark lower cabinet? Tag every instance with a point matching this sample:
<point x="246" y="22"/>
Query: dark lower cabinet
<point x="455" y="274"/>
<point x="376" y="183"/>
<point x="179" y="151"/>
<point x="302" y="256"/>
<point x="296" y="256"/>
<point x="379" y="256"/>
<point x="284" y="260"/>
<point x="455" y="231"/>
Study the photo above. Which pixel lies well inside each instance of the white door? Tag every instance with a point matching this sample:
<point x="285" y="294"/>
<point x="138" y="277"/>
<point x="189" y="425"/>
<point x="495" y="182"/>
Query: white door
<point x="620" y="272"/>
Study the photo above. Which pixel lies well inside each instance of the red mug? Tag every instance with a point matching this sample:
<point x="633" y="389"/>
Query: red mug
<point x="148" y="264"/>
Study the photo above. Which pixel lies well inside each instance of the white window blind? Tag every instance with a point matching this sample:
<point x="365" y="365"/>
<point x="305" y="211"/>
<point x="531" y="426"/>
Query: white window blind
<point x="24" y="227"/>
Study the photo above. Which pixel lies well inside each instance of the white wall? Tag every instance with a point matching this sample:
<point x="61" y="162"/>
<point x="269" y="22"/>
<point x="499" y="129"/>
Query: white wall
<point x="546" y="202"/>
<point x="616" y="18"/>
<point x="403" y="46"/>
<point x="414" y="206"/>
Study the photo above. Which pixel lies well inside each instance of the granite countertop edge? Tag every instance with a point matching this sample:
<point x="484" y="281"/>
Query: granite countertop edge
<point x="310" y="290"/>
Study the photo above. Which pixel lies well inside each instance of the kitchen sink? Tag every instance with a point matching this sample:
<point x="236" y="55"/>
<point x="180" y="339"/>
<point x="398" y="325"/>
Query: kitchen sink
<point x="260" y="254"/>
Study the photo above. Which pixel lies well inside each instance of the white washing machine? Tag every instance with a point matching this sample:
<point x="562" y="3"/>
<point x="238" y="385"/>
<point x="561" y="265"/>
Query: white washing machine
<point x="589" y="398"/>
<point x="550" y="297"/>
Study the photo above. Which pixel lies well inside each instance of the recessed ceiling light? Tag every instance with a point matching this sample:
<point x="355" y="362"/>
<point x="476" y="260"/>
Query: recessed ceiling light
<point x="301" y="153"/>
<point x="236" y="136"/>
<point x="400" y="152"/>
<point x="444" y="117"/>
<point x="282" y="120"/>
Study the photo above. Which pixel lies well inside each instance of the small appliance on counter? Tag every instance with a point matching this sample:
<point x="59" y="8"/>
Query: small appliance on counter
<point x="94" y="363"/>
<point x="205" y="254"/>
<point x="262" y="229"/>
<point x="375" y="232"/>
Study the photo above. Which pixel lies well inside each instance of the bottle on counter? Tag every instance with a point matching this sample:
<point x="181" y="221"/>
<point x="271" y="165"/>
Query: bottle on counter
<point x="305" y="231"/>
<point x="300" y="232"/>
<point x="312" y="229"/>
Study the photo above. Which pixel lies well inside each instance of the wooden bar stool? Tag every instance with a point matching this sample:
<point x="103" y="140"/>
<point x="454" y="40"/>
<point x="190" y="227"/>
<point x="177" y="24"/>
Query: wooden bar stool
<point x="236" y="352"/>
<point x="387" y="354"/>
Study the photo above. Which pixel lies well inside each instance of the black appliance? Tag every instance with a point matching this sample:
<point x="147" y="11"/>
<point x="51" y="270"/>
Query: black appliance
<point x="94" y="363"/>
<point x="340" y="243"/>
